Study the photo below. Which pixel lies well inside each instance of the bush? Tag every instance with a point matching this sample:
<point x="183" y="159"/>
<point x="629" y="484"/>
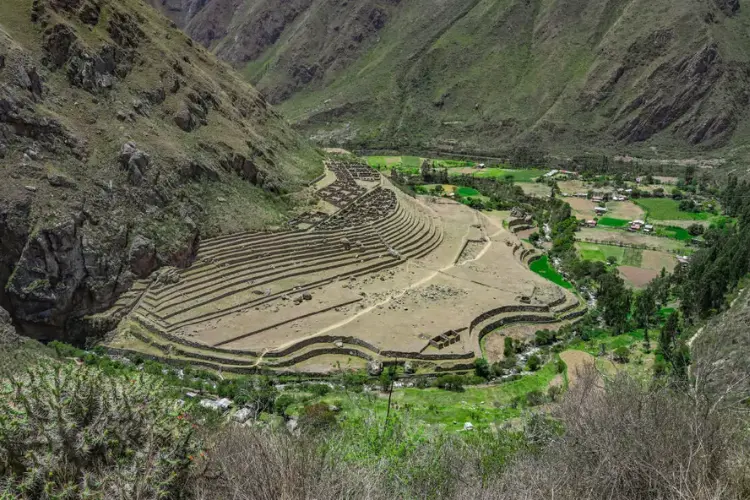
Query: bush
<point x="534" y="363"/>
<point x="544" y="337"/>
<point x="453" y="383"/>
<point x="695" y="229"/>
<point x="622" y="354"/>
<point x="70" y="431"/>
<point x="317" y="417"/>
<point x="318" y="390"/>
<point x="482" y="368"/>
<point x="535" y="398"/>
<point x="283" y="402"/>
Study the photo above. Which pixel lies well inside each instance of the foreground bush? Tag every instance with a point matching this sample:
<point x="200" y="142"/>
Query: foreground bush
<point x="69" y="431"/>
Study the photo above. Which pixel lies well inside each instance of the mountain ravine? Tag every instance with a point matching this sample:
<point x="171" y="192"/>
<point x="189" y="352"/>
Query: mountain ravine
<point x="122" y="144"/>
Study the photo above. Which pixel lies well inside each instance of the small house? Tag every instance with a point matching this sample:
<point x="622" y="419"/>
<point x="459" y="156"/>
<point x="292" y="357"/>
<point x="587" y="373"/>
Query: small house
<point x="636" y="225"/>
<point x="600" y="210"/>
<point x="597" y="199"/>
<point x="591" y="223"/>
<point x="648" y="228"/>
<point x="683" y="259"/>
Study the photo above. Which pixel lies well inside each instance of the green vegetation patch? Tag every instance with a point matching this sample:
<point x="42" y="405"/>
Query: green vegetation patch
<point x="677" y="233"/>
<point x="467" y="191"/>
<point x="544" y="269"/>
<point x="632" y="257"/>
<point x="411" y="161"/>
<point x="521" y="175"/>
<point x="668" y="209"/>
<point x="612" y="222"/>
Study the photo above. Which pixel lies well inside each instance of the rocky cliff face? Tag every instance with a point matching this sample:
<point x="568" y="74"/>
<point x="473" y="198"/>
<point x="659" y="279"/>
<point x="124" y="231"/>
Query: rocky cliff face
<point x="483" y="75"/>
<point x="121" y="145"/>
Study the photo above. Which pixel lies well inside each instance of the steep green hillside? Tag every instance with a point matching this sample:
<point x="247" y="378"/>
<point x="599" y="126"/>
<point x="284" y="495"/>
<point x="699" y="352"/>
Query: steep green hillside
<point x="122" y="143"/>
<point x="616" y="75"/>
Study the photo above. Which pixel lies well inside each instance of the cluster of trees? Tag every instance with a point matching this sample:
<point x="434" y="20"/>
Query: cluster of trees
<point x="725" y="259"/>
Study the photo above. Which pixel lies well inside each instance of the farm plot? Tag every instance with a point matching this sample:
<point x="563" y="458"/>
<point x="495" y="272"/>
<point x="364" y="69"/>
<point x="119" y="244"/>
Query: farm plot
<point x="577" y="362"/>
<point x="626" y="210"/>
<point x="667" y="209"/>
<point x="626" y="238"/>
<point x="582" y="208"/>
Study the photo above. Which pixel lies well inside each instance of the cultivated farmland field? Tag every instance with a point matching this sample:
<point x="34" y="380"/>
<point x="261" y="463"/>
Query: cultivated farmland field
<point x="664" y="209"/>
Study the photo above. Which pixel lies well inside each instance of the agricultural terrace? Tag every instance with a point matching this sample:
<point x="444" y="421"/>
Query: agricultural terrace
<point x="370" y="275"/>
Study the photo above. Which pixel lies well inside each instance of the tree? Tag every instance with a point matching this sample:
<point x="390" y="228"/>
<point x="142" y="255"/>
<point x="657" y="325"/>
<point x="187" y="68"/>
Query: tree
<point x="696" y="229"/>
<point x="508" y="350"/>
<point x="668" y="334"/>
<point x="533" y="363"/>
<point x="482" y="368"/>
<point x="645" y="309"/>
<point x="439" y="189"/>
<point x="615" y="299"/>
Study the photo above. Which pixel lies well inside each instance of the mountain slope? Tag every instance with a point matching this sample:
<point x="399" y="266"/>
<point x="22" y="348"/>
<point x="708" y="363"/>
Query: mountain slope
<point x="485" y="74"/>
<point x="122" y="143"/>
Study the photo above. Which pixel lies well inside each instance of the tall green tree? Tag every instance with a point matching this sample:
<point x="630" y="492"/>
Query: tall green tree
<point x="645" y="309"/>
<point x="668" y="334"/>
<point x="615" y="300"/>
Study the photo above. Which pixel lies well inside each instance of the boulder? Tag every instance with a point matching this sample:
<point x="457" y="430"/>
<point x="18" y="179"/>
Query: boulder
<point x="307" y="296"/>
<point x="242" y="415"/>
<point x="374" y="368"/>
<point x="185" y="120"/>
<point x="135" y="161"/>
<point x="142" y="256"/>
<point x="60" y="180"/>
<point x="409" y="368"/>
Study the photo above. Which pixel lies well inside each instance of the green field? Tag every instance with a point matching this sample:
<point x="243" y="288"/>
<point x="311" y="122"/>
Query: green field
<point x="678" y="233"/>
<point x="524" y="175"/>
<point x="667" y="209"/>
<point x="467" y="191"/>
<point x="596" y="252"/>
<point x="611" y="222"/>
<point x="544" y="269"/>
<point x="452" y="163"/>
<point x="482" y="406"/>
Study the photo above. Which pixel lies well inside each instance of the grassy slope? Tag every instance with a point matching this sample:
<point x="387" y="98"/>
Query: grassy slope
<point x="482" y="74"/>
<point x="169" y="147"/>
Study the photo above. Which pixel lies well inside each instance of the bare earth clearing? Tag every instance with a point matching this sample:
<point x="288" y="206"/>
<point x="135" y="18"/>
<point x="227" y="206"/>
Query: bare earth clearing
<point x="577" y="362"/>
<point x="384" y="277"/>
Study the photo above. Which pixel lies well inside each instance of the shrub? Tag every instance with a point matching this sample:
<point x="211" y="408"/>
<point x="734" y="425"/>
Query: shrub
<point x="695" y="229"/>
<point x="453" y="383"/>
<point x="70" y="431"/>
<point x="535" y="398"/>
<point x="283" y="402"/>
<point x="317" y="417"/>
<point x="534" y="363"/>
<point x="318" y="390"/>
<point x="482" y="368"/>
<point x="622" y="354"/>
<point x="544" y="337"/>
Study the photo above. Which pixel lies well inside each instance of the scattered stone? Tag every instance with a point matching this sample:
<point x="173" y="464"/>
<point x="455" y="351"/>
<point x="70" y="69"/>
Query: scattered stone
<point x="408" y="368"/>
<point x="468" y="426"/>
<point x="135" y="161"/>
<point x="242" y="415"/>
<point x="185" y="120"/>
<point x="307" y="296"/>
<point x="3" y="150"/>
<point x="334" y="408"/>
<point x="33" y="189"/>
<point x="60" y="180"/>
<point x="374" y="368"/>
<point x="292" y="425"/>
<point x="220" y="405"/>
<point x="338" y="344"/>
<point x="221" y="199"/>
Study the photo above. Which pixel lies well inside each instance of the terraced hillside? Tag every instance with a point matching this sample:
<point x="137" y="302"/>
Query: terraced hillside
<point x="384" y="277"/>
